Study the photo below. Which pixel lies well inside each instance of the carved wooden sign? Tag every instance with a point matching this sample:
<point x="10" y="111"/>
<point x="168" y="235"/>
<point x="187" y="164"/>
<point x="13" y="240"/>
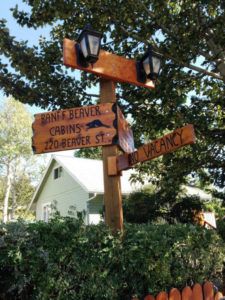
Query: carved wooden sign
<point x="81" y="127"/>
<point x="74" y="128"/>
<point x="109" y="66"/>
<point x="166" y="144"/>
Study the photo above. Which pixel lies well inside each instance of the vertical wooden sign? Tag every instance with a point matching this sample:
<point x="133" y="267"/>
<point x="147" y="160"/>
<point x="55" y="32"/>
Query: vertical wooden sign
<point x="125" y="134"/>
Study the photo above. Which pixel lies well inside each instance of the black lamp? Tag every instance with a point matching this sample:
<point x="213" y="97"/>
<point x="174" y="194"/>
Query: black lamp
<point x="148" y="66"/>
<point x="88" y="46"/>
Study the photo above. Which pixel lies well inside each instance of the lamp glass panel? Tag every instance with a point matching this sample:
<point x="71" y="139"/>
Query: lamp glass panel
<point x="83" y="46"/>
<point x="146" y="65"/>
<point x="156" y="62"/>
<point x="93" y="44"/>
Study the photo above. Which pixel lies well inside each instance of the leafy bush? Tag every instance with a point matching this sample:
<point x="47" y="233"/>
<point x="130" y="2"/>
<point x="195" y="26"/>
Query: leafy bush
<point x="67" y="260"/>
<point x="147" y="205"/>
<point x="186" y="209"/>
<point x="151" y="208"/>
<point x="221" y="228"/>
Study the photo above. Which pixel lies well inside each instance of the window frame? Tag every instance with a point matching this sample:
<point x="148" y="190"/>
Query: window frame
<point x="57" y="172"/>
<point x="46" y="211"/>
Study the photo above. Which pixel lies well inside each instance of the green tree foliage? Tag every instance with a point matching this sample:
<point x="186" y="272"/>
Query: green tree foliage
<point x="148" y="206"/>
<point x="93" y="153"/>
<point x="15" y="146"/>
<point x="189" y="35"/>
<point x="24" y="189"/>
<point x="221" y="228"/>
<point x="21" y="194"/>
<point x="187" y="209"/>
<point x="142" y="207"/>
<point x="66" y="260"/>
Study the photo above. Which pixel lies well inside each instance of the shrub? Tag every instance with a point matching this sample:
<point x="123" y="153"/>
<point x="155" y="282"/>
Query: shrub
<point x="186" y="209"/>
<point x="154" y="207"/>
<point x="147" y="205"/>
<point x="221" y="227"/>
<point x="67" y="260"/>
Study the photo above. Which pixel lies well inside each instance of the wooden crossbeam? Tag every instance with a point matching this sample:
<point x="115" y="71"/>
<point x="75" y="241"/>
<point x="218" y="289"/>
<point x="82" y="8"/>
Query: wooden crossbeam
<point x="109" y="66"/>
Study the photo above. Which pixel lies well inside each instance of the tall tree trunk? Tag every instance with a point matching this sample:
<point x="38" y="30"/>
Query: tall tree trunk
<point x="6" y="198"/>
<point x="13" y="200"/>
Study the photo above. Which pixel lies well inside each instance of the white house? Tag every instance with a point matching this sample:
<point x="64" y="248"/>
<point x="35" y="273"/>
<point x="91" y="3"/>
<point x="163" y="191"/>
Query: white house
<point x="74" y="182"/>
<point x="78" y="182"/>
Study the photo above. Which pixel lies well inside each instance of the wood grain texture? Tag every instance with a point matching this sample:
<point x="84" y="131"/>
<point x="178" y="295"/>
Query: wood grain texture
<point x="74" y="128"/>
<point x="197" y="292"/>
<point x="208" y="291"/>
<point x="174" y="294"/>
<point x="109" y="66"/>
<point x="112" y="169"/>
<point x="112" y="185"/>
<point x="187" y="293"/>
<point x="162" y="296"/>
<point x="166" y="144"/>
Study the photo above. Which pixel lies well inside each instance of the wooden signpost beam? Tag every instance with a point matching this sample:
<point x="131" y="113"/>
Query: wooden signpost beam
<point x="110" y="66"/>
<point x="112" y="186"/>
<point x="113" y="68"/>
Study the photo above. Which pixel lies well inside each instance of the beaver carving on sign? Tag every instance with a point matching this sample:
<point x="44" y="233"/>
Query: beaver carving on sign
<point x="96" y="124"/>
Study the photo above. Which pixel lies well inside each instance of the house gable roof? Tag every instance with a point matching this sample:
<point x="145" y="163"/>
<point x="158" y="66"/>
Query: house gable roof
<point x="195" y="191"/>
<point x="88" y="173"/>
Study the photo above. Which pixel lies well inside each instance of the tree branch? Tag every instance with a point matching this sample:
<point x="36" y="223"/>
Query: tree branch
<point x="214" y="165"/>
<point x="177" y="61"/>
<point x="91" y="95"/>
<point x="216" y="49"/>
<point x="184" y="64"/>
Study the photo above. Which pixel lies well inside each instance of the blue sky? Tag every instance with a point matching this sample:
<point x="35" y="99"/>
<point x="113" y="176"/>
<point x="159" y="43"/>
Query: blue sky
<point x="24" y="33"/>
<point x="32" y="36"/>
<point x="21" y="33"/>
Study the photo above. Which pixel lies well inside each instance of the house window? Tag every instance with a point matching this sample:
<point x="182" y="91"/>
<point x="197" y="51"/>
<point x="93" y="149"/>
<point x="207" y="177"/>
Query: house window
<point x="46" y="212"/>
<point x="57" y="172"/>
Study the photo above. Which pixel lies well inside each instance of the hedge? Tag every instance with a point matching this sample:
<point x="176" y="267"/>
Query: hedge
<point x="65" y="259"/>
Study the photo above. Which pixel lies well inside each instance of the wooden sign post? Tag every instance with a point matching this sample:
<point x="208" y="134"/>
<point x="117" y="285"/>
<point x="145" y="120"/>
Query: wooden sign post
<point x="90" y="126"/>
<point x="112" y="185"/>
<point x="111" y="68"/>
<point x="103" y="125"/>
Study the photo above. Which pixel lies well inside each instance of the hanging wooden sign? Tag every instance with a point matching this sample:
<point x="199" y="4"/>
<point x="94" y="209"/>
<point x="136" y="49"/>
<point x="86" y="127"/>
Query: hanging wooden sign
<point x="166" y="144"/>
<point x="109" y="66"/>
<point x="81" y="127"/>
<point x="74" y="128"/>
